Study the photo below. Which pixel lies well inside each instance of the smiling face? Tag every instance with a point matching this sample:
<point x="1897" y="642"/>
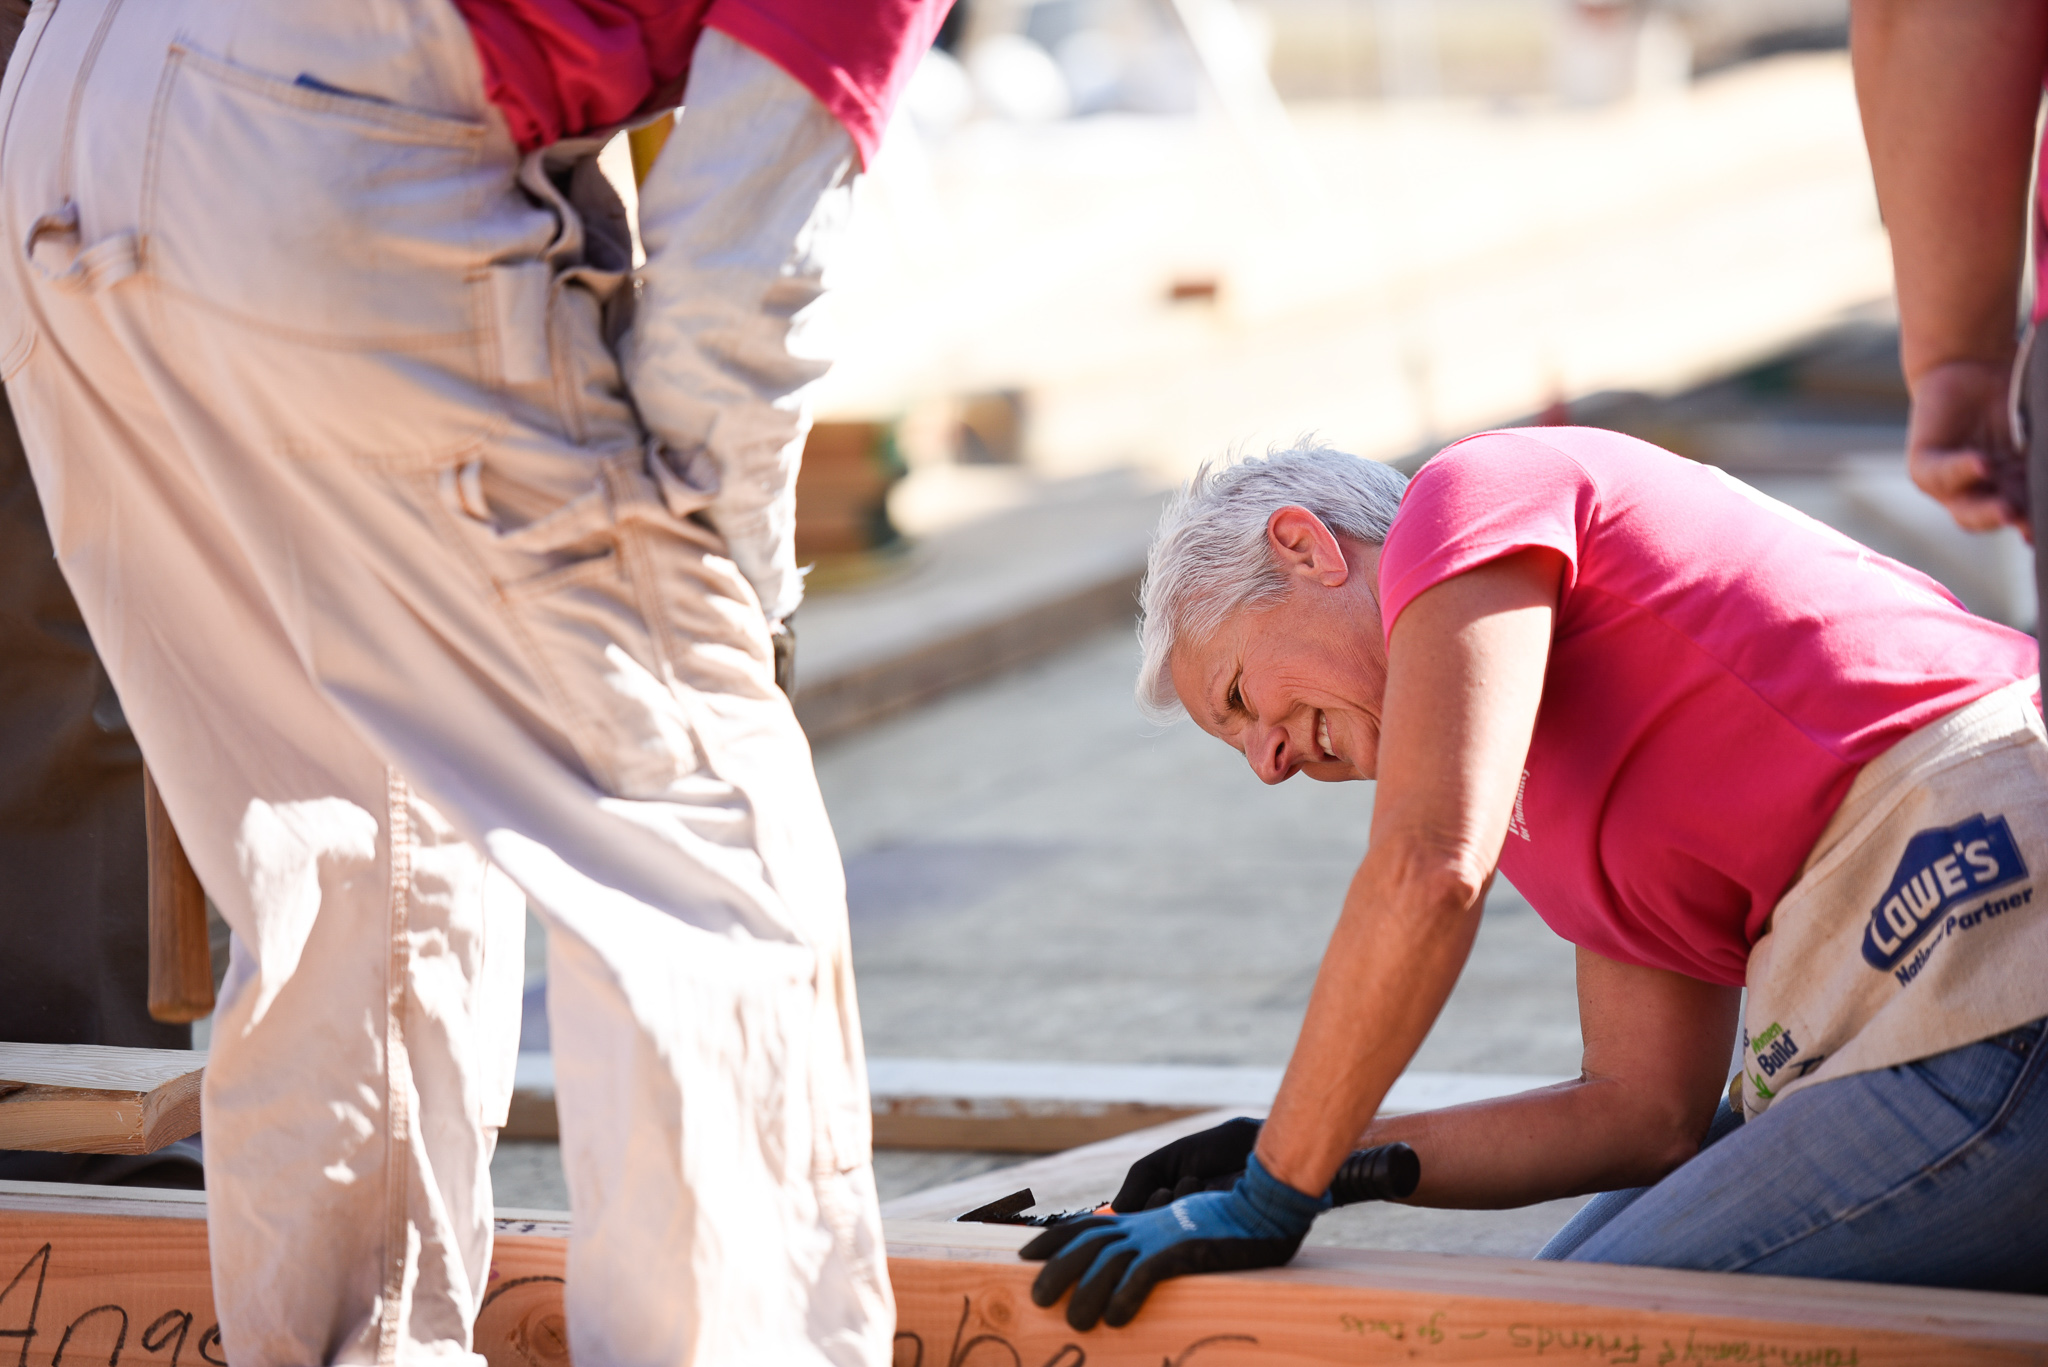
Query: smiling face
<point x="1297" y="686"/>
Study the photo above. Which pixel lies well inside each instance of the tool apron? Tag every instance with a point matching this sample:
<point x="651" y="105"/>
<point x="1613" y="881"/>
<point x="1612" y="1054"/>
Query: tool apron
<point x="1916" y="926"/>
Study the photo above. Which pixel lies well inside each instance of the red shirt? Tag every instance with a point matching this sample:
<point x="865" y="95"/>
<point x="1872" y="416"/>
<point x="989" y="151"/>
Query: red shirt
<point x="1721" y="668"/>
<point x="557" y="68"/>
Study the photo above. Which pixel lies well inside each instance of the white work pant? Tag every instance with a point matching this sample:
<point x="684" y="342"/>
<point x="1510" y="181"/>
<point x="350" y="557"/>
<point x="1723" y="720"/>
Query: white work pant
<point x="402" y="600"/>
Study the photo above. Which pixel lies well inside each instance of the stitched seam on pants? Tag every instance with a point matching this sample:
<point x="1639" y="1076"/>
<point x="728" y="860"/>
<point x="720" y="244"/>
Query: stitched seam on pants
<point x="561" y="378"/>
<point x="17" y="355"/>
<point x="152" y="167"/>
<point x="2030" y="1072"/>
<point x="642" y="575"/>
<point x="27" y="60"/>
<point x="65" y="180"/>
<point x="637" y="562"/>
<point x="23" y="62"/>
<point x="2014" y="1095"/>
<point x="397" y="1071"/>
<point x="415" y="125"/>
<point x="577" y="726"/>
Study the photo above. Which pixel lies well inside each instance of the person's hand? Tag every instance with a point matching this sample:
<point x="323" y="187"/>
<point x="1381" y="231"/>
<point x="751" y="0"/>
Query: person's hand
<point x="1114" y="1261"/>
<point x="1209" y="1160"/>
<point x="1960" y="449"/>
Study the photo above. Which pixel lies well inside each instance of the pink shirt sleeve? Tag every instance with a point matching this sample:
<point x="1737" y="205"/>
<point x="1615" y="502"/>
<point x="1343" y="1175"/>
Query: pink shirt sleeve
<point x="856" y="58"/>
<point x="1486" y="497"/>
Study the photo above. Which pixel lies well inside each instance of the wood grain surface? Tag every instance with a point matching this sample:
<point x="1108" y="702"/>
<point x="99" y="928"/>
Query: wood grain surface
<point x="89" y="1098"/>
<point x="86" y="1273"/>
<point x="1096" y="1169"/>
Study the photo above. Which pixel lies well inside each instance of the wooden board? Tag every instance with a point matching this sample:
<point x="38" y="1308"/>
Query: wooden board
<point x="964" y="1301"/>
<point x="1078" y="1177"/>
<point x="1025" y="1107"/>
<point x="83" y="1269"/>
<point x="1009" y="1106"/>
<point x="87" y="1098"/>
<point x="1017" y="1127"/>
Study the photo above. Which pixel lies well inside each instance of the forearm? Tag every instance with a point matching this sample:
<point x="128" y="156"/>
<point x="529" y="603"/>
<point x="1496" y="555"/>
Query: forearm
<point x="1576" y="1137"/>
<point x="1391" y="963"/>
<point x="1465" y="676"/>
<point x="1948" y="91"/>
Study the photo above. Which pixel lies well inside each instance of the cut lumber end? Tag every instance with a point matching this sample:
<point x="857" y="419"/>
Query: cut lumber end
<point x="86" y="1098"/>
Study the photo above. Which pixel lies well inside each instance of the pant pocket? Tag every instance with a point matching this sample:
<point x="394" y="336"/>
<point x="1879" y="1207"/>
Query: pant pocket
<point x="565" y="565"/>
<point x="344" y="283"/>
<point x="1977" y="1079"/>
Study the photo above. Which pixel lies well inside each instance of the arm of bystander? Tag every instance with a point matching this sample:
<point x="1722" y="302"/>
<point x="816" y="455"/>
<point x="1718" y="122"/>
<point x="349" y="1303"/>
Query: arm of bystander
<point x="1949" y="91"/>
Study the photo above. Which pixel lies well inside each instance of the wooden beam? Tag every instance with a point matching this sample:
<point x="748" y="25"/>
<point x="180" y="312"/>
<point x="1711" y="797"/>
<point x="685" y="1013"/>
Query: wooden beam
<point x="962" y="1298"/>
<point x="1013" y="1127"/>
<point x="1030" y="1107"/>
<point x="1063" y="1181"/>
<point x="86" y="1269"/>
<point x="89" y="1098"/>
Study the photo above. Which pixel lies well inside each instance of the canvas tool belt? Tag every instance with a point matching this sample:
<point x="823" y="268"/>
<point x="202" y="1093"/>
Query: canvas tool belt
<point x="1916" y="926"/>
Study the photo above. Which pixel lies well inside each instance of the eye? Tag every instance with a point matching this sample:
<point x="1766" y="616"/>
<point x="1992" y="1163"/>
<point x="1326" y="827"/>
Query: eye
<point x="1233" y="699"/>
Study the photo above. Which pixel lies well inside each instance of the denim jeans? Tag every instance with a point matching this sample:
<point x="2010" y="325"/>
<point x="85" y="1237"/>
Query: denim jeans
<point x="1933" y="1173"/>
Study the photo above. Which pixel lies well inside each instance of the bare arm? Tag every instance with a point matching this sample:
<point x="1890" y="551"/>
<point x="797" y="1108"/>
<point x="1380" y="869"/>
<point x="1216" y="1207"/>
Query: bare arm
<point x="1658" y="1046"/>
<point x="1465" y="676"/>
<point x="1949" y="90"/>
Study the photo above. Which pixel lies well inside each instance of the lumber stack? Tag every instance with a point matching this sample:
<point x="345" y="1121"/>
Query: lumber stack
<point x="88" y="1274"/>
<point x="77" y="1098"/>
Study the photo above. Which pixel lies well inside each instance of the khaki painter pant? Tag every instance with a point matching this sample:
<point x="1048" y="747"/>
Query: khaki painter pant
<point x="1917" y="926"/>
<point x="406" y="608"/>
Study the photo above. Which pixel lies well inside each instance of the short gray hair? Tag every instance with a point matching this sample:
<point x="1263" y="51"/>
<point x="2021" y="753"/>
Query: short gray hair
<point x="1210" y="558"/>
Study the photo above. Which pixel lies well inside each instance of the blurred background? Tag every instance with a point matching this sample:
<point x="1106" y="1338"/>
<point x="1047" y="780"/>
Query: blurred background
<point x="1109" y="239"/>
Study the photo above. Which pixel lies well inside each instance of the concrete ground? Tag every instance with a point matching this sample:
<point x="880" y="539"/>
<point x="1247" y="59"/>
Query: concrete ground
<point x="1034" y="872"/>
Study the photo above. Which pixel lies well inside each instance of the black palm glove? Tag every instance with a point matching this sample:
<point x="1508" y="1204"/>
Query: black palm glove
<point x="1213" y="1160"/>
<point x="1209" y="1160"/>
<point x="1113" y="1261"/>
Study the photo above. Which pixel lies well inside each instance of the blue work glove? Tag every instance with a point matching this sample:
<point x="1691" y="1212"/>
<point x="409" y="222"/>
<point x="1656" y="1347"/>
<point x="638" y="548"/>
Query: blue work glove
<point x="1117" y="1259"/>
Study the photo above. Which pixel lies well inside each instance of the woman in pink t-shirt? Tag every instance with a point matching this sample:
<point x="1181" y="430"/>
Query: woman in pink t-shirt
<point x="1717" y="745"/>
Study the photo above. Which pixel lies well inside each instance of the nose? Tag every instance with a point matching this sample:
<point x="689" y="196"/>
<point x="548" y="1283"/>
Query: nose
<point x="1266" y="747"/>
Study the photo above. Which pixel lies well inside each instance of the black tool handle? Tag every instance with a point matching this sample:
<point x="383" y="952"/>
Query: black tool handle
<point x="1387" y="1173"/>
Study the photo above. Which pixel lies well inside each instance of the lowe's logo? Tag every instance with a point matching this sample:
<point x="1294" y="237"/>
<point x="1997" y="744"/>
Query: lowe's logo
<point x="1940" y="868"/>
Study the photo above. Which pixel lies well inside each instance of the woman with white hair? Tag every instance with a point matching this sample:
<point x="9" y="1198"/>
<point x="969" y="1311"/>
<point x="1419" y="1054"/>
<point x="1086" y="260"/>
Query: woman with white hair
<point x="1717" y="745"/>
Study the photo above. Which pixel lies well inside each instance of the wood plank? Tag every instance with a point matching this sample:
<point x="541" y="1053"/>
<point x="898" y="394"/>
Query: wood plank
<point x="1079" y="1176"/>
<point x="83" y="1269"/>
<point x="960" y="1304"/>
<point x="1030" y="1107"/>
<point x="88" y="1098"/>
<point x="1013" y="1127"/>
<point x="1034" y="1107"/>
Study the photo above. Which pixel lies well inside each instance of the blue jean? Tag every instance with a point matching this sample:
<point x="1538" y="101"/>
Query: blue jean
<point x="1933" y="1173"/>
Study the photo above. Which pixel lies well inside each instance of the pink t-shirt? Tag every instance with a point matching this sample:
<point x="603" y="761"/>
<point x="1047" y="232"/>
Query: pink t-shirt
<point x="1721" y="668"/>
<point x="557" y="68"/>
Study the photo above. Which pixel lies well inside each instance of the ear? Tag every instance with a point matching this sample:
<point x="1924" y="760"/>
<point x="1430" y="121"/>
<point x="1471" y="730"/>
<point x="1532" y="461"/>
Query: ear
<point x="1306" y="548"/>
